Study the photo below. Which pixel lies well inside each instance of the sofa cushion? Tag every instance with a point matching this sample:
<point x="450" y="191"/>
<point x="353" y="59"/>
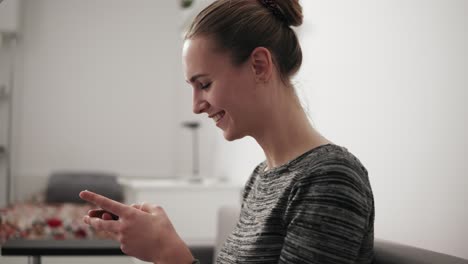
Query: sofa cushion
<point x="64" y="186"/>
<point x="387" y="252"/>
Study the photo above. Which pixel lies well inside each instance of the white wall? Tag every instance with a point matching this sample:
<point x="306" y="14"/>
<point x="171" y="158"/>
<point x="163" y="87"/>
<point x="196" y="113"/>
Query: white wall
<point x="96" y="89"/>
<point x="388" y="80"/>
<point x="9" y="15"/>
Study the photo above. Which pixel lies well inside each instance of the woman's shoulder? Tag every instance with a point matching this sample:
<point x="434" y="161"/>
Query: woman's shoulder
<point x="335" y="176"/>
<point x="323" y="157"/>
<point x="329" y="164"/>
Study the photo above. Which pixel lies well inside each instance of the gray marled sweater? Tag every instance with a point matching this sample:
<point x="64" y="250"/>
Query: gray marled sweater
<point x="317" y="208"/>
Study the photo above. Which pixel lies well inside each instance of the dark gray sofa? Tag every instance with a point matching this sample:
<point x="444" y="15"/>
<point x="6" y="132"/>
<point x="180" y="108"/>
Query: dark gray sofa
<point x="386" y="252"/>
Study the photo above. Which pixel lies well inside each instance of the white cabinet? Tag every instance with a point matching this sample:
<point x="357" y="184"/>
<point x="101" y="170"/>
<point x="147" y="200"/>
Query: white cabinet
<point x="192" y="207"/>
<point x="9" y="21"/>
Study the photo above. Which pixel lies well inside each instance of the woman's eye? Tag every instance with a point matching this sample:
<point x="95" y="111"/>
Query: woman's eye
<point x="205" y="86"/>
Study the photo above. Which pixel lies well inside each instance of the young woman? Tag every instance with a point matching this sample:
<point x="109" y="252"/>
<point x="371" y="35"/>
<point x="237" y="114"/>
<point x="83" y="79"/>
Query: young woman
<point x="310" y="201"/>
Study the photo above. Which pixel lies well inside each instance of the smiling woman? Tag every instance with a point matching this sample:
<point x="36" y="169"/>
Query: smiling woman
<point x="310" y="201"/>
<point x="219" y="89"/>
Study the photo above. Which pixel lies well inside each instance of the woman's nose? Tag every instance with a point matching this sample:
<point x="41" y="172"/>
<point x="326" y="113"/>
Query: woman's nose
<point x="199" y="105"/>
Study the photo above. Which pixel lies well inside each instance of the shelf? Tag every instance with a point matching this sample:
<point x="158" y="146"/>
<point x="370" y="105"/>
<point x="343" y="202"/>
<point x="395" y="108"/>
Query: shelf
<point x="2" y="150"/>
<point x="3" y="92"/>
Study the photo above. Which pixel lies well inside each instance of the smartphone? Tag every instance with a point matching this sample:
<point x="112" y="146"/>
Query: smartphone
<point x="100" y="212"/>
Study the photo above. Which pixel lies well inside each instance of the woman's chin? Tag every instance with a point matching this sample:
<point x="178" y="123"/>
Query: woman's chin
<point x="229" y="136"/>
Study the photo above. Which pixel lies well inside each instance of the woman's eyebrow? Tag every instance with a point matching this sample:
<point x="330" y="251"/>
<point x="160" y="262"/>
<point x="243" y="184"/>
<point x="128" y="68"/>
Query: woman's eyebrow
<point x="196" y="76"/>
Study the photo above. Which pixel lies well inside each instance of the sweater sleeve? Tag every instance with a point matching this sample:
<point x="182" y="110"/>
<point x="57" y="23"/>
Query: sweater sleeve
<point x="327" y="218"/>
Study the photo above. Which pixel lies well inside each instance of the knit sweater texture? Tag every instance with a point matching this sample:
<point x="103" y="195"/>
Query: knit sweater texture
<point x="316" y="208"/>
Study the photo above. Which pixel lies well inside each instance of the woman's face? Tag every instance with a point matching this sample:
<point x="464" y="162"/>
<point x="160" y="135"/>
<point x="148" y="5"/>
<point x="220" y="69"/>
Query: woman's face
<point x="224" y="91"/>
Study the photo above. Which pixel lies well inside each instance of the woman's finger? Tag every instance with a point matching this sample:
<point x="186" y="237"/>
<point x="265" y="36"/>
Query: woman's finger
<point x="146" y="207"/>
<point x="112" y="236"/>
<point x="109" y="216"/>
<point x="137" y="206"/>
<point x="105" y="203"/>
<point x="104" y="225"/>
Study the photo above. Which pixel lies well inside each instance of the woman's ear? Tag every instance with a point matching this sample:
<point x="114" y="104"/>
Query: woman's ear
<point x="262" y="64"/>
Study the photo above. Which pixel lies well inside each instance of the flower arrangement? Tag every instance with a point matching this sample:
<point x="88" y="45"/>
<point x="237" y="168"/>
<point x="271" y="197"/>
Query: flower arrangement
<point x="38" y="220"/>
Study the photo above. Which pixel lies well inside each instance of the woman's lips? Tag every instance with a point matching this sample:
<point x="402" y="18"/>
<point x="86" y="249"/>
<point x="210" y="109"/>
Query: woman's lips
<point x="219" y="116"/>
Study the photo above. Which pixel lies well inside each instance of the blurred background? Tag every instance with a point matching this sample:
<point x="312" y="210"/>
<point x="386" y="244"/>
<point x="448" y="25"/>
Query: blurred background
<point x="98" y="86"/>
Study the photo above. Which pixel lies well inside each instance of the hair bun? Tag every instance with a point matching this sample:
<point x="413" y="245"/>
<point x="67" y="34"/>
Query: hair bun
<point x="291" y="11"/>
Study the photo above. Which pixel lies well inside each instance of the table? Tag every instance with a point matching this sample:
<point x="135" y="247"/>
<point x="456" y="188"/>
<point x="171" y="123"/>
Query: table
<point x="34" y="249"/>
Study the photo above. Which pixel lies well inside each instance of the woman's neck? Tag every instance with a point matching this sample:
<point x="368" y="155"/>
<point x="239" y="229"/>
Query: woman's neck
<point x="286" y="133"/>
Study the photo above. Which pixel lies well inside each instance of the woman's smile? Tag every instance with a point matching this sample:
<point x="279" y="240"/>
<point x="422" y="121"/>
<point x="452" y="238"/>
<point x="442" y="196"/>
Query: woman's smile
<point x="218" y="117"/>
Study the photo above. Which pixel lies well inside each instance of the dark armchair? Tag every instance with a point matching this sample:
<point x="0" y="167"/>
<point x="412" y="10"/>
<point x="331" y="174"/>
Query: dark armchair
<point x="386" y="252"/>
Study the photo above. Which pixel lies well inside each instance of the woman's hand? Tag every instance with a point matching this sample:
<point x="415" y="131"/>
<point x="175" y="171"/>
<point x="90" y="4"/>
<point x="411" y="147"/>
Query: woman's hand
<point x="144" y="231"/>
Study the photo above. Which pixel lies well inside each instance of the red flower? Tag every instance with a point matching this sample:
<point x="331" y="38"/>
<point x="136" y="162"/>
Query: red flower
<point x="54" y="222"/>
<point x="80" y="233"/>
<point x="24" y="233"/>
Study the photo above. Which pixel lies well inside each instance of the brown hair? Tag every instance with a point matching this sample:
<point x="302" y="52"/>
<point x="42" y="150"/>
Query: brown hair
<point x="239" y="26"/>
